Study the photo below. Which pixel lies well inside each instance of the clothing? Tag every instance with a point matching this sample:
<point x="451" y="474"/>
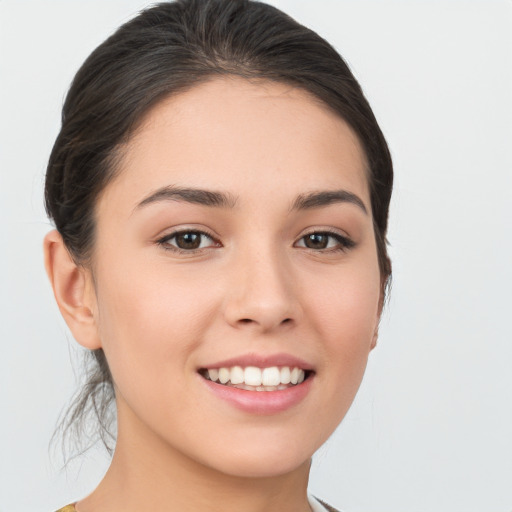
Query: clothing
<point x="315" y="504"/>
<point x="318" y="505"/>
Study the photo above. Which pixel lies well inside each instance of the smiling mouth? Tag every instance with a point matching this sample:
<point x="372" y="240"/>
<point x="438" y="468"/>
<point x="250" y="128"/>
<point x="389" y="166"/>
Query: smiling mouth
<point x="251" y="378"/>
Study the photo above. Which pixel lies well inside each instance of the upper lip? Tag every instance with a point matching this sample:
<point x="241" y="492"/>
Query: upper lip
<point x="261" y="361"/>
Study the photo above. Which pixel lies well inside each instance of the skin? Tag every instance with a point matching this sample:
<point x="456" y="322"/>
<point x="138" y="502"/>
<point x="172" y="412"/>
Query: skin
<point x="254" y="287"/>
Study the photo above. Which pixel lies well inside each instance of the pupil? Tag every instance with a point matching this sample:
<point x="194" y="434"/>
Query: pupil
<point x="316" y="241"/>
<point x="188" y="240"/>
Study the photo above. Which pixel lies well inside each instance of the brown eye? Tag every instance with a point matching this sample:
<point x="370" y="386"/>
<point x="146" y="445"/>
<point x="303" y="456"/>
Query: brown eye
<point x="316" y="241"/>
<point x="190" y="240"/>
<point x="320" y="241"/>
<point x="187" y="241"/>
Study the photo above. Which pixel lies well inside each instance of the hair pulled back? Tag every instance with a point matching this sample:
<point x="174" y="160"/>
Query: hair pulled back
<point x="163" y="51"/>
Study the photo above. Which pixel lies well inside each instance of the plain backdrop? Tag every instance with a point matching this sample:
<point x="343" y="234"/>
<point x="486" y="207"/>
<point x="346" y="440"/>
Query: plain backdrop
<point x="431" y="428"/>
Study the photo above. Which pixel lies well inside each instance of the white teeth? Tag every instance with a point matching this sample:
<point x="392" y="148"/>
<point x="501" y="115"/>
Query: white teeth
<point x="237" y="375"/>
<point x="271" y="376"/>
<point x="285" y="375"/>
<point x="224" y="375"/>
<point x="252" y="378"/>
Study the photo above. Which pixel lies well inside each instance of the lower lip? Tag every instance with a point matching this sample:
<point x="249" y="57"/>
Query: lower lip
<point x="261" y="402"/>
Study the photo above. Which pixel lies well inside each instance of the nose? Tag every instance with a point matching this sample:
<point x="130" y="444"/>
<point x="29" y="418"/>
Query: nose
<point x="262" y="294"/>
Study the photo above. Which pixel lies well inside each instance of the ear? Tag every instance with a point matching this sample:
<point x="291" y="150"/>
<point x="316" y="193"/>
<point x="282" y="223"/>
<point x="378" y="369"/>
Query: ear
<point x="73" y="289"/>
<point x="374" y="337"/>
<point x="383" y="286"/>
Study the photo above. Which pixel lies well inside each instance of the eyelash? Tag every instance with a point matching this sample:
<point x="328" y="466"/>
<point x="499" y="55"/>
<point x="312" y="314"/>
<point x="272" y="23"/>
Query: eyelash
<point x="164" y="242"/>
<point x="343" y="243"/>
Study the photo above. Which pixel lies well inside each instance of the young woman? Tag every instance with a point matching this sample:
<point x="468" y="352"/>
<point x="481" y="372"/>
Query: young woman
<point x="220" y="191"/>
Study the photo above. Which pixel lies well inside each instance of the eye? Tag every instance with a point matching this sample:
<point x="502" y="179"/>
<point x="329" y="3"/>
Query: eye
<point x="187" y="241"/>
<point x="325" y="241"/>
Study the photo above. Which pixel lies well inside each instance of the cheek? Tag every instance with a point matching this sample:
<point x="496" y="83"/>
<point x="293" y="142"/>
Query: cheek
<point x="150" y="318"/>
<point x="347" y="308"/>
<point x="346" y="314"/>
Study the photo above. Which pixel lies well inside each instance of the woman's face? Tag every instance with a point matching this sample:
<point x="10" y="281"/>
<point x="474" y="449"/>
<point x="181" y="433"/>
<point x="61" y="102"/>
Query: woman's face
<point x="238" y="234"/>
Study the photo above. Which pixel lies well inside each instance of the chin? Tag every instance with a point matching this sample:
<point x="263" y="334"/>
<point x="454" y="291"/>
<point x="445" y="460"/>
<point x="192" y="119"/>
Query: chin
<point x="257" y="461"/>
<point x="260" y="467"/>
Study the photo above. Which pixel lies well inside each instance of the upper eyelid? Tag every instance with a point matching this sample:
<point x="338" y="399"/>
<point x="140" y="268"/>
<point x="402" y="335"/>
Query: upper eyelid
<point x="176" y="231"/>
<point x="326" y="231"/>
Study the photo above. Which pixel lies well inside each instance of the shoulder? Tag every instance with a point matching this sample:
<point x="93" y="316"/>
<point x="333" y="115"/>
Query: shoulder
<point x="67" y="508"/>
<point x="313" y="500"/>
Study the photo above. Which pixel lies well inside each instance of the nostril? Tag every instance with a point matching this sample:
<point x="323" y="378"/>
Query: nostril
<point x="249" y="321"/>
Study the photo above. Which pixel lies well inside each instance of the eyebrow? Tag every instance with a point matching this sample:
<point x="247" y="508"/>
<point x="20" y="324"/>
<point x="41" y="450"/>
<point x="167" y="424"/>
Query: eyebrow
<point x="224" y="200"/>
<point x="326" y="198"/>
<point x="190" y="195"/>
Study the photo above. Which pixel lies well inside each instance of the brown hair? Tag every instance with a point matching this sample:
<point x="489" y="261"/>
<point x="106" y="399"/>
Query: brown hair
<point x="165" y="50"/>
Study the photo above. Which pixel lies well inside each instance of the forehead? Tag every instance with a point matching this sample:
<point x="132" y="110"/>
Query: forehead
<point x="250" y="136"/>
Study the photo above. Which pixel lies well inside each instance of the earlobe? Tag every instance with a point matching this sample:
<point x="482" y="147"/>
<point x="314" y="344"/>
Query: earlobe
<point x="374" y="338"/>
<point x="383" y="286"/>
<point x="73" y="290"/>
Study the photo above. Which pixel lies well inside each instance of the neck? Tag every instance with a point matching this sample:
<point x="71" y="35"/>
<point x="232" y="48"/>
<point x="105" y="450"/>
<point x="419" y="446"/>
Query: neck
<point x="146" y="473"/>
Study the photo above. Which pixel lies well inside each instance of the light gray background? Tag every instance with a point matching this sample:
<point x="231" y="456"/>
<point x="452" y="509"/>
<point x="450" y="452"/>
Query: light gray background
<point x="431" y="429"/>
